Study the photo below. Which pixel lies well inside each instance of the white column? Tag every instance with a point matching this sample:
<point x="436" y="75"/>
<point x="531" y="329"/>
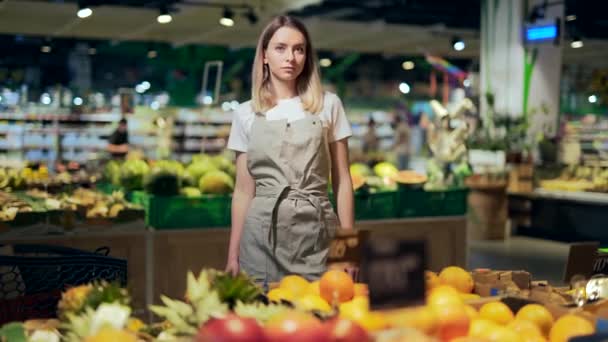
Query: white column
<point x="524" y="80"/>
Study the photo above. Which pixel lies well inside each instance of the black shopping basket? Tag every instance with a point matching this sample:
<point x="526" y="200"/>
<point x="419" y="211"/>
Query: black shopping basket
<point x="32" y="277"/>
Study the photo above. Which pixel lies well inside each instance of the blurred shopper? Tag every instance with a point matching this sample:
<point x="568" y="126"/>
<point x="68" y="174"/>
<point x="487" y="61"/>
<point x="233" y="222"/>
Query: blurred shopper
<point x="371" y="143"/>
<point x="401" y="145"/>
<point x="118" y="143"/>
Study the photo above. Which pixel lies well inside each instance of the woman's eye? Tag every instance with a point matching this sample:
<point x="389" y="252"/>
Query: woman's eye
<point x="280" y="48"/>
<point x="300" y="49"/>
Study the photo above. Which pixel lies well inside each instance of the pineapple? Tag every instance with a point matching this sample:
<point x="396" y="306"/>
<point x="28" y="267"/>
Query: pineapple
<point x="73" y="299"/>
<point x="76" y="299"/>
<point x="92" y="322"/>
<point x="104" y="292"/>
<point x="202" y="303"/>
<point x="233" y="289"/>
<point x="260" y="311"/>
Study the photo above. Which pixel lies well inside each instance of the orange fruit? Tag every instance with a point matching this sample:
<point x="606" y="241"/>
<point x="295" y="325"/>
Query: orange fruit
<point x="431" y="279"/>
<point x="537" y="314"/>
<point x="313" y="288"/>
<point x="336" y="286"/>
<point x="481" y="328"/>
<point x="452" y="321"/>
<point x="373" y="321"/>
<point x="361" y="289"/>
<point x="471" y="312"/>
<point x="469" y="296"/>
<point x="458" y="278"/>
<point x="295" y="283"/>
<point x="524" y="328"/>
<point x="443" y="295"/>
<point x="355" y="310"/>
<point x="498" y="312"/>
<point x="503" y="334"/>
<point x="419" y="318"/>
<point x="569" y="326"/>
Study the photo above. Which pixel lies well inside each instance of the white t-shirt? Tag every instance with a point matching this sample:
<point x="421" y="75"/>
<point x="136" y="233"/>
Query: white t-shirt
<point x="332" y="115"/>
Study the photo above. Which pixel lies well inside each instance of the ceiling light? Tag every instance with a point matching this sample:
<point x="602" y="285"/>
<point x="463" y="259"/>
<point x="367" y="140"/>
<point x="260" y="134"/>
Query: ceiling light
<point x="251" y="16"/>
<point x="458" y="44"/>
<point x="325" y="62"/>
<point x="404" y="88"/>
<point x="408" y="65"/>
<point x="466" y="82"/>
<point x="571" y="17"/>
<point x="92" y="51"/>
<point x="164" y="17"/>
<point x="152" y="53"/>
<point x="46" y="48"/>
<point x="227" y="18"/>
<point x="207" y="100"/>
<point x="140" y="89"/>
<point x="576" y="43"/>
<point x="78" y="101"/>
<point x="592" y="99"/>
<point x="45" y="99"/>
<point x="146" y="85"/>
<point x="84" y="11"/>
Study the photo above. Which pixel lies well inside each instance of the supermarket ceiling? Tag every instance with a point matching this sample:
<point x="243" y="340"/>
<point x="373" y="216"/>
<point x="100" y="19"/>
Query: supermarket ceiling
<point x="399" y="27"/>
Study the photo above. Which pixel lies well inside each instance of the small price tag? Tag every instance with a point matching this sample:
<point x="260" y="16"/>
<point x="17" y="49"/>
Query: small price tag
<point x="394" y="272"/>
<point x="582" y="260"/>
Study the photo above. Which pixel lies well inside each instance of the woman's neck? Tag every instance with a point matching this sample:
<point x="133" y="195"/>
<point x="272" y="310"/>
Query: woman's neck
<point x="284" y="89"/>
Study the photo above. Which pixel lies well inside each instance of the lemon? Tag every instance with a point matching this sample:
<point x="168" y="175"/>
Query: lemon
<point x="278" y="294"/>
<point x="313" y="302"/>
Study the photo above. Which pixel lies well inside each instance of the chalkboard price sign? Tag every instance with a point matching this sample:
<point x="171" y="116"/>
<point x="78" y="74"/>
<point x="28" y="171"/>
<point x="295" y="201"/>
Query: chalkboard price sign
<point x="394" y="272"/>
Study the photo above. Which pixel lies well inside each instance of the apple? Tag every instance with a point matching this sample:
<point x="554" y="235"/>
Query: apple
<point x="295" y="327"/>
<point x="345" y="330"/>
<point x="231" y="328"/>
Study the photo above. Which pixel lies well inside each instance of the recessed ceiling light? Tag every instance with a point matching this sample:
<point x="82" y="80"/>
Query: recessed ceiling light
<point x="325" y="62"/>
<point x="408" y="65"/>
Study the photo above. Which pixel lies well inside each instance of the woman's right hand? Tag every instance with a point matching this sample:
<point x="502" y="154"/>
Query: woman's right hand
<point x="232" y="266"/>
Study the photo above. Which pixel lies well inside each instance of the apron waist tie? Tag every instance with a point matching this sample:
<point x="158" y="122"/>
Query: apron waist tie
<point x="288" y="192"/>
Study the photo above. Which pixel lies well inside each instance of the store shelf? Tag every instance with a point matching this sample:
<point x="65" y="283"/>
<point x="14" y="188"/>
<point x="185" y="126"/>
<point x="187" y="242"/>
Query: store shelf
<point x="578" y="196"/>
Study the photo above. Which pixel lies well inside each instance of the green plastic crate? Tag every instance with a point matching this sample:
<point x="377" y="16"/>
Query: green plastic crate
<point x="375" y="206"/>
<point x="107" y="188"/>
<point x="180" y="212"/>
<point x="420" y="203"/>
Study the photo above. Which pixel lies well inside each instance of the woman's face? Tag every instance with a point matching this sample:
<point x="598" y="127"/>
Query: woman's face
<point x="286" y="54"/>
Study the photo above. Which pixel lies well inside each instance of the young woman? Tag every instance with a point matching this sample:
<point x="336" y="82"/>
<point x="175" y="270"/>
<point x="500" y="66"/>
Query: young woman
<point x="288" y="140"/>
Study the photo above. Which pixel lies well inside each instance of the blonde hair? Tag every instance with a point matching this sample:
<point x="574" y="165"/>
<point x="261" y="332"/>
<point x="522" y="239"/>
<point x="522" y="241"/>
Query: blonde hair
<point x="308" y="83"/>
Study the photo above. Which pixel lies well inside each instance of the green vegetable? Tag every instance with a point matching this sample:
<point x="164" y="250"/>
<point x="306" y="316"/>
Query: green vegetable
<point x="132" y="174"/>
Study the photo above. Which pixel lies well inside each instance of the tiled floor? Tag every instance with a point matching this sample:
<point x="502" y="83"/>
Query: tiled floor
<point x="544" y="259"/>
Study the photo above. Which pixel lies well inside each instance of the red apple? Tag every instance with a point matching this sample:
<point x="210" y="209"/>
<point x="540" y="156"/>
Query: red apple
<point x="295" y="327"/>
<point x="231" y="328"/>
<point x="345" y="330"/>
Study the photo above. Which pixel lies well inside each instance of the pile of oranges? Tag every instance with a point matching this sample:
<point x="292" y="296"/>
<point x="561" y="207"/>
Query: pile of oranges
<point x="446" y="315"/>
<point x="449" y="317"/>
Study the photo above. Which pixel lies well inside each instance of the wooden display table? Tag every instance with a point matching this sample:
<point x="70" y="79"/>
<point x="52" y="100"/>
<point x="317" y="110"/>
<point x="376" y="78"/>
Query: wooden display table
<point x="159" y="260"/>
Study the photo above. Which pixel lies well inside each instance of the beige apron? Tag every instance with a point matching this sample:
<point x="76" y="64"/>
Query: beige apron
<point x="290" y="222"/>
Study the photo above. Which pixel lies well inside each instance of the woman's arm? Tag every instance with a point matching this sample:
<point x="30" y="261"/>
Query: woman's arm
<point x="341" y="183"/>
<point x="244" y="191"/>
